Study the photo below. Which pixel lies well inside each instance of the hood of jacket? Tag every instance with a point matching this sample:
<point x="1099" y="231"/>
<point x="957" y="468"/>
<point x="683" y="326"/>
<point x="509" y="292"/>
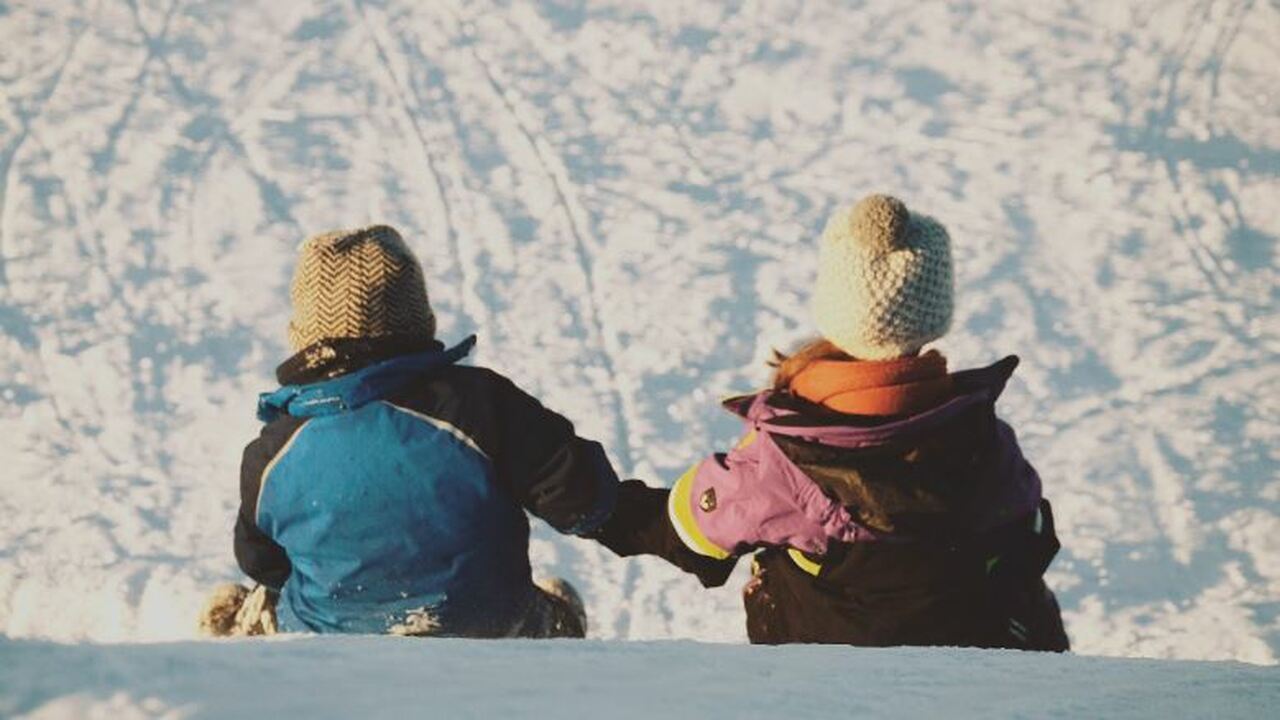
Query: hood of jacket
<point x="358" y="388"/>
<point x="954" y="468"/>
<point x="789" y="415"/>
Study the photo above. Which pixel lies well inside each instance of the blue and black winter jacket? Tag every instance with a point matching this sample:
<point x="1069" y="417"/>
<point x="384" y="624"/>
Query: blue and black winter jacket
<point x="398" y="489"/>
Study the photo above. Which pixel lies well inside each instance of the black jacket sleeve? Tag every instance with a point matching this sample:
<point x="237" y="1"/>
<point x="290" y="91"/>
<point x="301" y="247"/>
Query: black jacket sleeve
<point x="640" y="526"/>
<point x="258" y="555"/>
<point x="556" y="475"/>
<point x="569" y="482"/>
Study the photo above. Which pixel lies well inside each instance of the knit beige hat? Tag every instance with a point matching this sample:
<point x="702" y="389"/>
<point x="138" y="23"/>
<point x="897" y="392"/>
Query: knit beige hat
<point x="361" y="283"/>
<point x="884" y="280"/>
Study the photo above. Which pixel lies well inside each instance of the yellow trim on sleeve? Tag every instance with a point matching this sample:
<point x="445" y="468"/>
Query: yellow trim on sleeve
<point x="680" y="510"/>
<point x="803" y="562"/>
<point x="746" y="441"/>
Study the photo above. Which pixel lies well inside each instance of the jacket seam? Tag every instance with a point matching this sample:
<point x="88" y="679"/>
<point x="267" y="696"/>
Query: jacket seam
<point x="441" y="425"/>
<point x="266" y="471"/>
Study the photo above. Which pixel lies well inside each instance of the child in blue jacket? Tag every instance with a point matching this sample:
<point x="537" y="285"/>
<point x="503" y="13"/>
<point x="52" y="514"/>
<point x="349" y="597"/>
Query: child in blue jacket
<point x="387" y="489"/>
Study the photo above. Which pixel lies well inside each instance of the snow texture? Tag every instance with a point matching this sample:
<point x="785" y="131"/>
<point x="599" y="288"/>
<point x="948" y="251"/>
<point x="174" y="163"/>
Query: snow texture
<point x="623" y="200"/>
<point x="386" y="677"/>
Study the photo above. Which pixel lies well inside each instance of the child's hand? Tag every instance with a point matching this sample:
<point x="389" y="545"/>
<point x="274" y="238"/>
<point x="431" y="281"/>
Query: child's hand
<point x="729" y="503"/>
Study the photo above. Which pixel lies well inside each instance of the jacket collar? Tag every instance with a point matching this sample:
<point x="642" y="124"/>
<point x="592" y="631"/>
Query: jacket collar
<point x="332" y="357"/>
<point x="356" y="389"/>
<point x="788" y="414"/>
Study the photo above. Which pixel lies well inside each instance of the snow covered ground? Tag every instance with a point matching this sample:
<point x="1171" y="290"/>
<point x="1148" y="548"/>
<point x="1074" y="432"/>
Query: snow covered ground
<point x="372" y="677"/>
<point x="622" y="200"/>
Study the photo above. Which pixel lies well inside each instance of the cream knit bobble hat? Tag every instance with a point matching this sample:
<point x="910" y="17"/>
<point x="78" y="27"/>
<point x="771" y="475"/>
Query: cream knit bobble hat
<point x="884" y="280"/>
<point x="362" y="283"/>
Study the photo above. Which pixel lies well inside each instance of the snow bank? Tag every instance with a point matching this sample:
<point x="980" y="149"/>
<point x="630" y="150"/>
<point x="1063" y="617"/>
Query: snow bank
<point x="370" y="677"/>
<point x="621" y="199"/>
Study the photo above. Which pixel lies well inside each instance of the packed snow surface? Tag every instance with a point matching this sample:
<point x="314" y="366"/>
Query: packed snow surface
<point x="387" y="677"/>
<point x="622" y="200"/>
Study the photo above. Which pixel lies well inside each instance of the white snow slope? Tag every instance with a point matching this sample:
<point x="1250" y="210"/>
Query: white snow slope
<point x="622" y="200"/>
<point x="386" y="677"/>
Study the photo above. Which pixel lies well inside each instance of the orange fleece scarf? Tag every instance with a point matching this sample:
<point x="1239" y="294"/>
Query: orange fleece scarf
<point x="890" y="387"/>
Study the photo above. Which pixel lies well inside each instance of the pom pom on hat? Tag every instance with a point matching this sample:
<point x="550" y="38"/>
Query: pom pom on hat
<point x="879" y="221"/>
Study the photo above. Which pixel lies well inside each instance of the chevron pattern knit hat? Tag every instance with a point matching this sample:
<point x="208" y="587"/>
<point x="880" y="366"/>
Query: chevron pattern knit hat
<point x="362" y="283"/>
<point x="885" y="283"/>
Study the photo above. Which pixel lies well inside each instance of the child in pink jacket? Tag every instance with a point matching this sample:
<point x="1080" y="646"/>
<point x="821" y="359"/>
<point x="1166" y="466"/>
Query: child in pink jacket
<point x="890" y="505"/>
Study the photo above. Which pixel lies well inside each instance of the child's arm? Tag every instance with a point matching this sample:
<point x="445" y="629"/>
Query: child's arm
<point x="554" y="474"/>
<point x="731" y="503"/>
<point x="569" y="482"/>
<point x="258" y="555"/>
<point x="640" y="526"/>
